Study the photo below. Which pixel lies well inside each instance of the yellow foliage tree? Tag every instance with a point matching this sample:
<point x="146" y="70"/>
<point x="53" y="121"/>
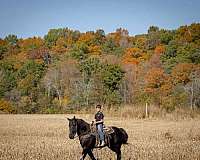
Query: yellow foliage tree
<point x="95" y="50"/>
<point x="5" y="106"/>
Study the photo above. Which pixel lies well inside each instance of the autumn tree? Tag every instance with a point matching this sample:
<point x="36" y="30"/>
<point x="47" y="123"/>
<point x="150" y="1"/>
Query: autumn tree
<point x="7" y="77"/>
<point x="67" y="69"/>
<point x="31" y="43"/>
<point x="134" y="56"/>
<point x="29" y="76"/>
<point x="89" y="68"/>
<point x="120" y="37"/>
<point x="6" y="106"/>
<point x="54" y="34"/>
<point x="187" y="75"/>
<point x="110" y="47"/>
<point x="181" y="73"/>
<point x="12" y="44"/>
<point x="140" y="42"/>
<point x="3" y="48"/>
<point x="153" y="37"/>
<point x="80" y="51"/>
<point x="193" y="87"/>
<point x="60" y="82"/>
<point x="157" y="84"/>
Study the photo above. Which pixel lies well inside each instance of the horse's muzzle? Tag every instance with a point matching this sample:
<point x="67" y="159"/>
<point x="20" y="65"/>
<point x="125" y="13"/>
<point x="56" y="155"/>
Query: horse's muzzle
<point x="71" y="136"/>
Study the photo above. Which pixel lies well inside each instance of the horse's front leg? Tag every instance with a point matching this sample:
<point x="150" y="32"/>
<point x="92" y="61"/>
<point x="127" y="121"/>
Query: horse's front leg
<point x="84" y="153"/>
<point x="119" y="155"/>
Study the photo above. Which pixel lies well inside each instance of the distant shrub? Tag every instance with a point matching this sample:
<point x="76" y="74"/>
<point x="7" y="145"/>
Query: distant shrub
<point x="6" y="107"/>
<point x="168" y="104"/>
<point x="51" y="111"/>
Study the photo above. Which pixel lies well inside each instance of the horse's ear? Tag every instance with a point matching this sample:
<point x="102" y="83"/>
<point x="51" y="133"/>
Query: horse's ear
<point x="68" y="119"/>
<point x="74" y="117"/>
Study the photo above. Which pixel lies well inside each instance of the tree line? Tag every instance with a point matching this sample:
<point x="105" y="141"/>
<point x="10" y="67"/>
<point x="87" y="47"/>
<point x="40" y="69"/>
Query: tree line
<point x="67" y="70"/>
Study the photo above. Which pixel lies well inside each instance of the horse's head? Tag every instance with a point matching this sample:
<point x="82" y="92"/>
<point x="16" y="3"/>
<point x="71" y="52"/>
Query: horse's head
<point x="72" y="127"/>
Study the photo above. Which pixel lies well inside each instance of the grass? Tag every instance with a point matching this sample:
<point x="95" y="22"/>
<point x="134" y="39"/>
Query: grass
<point x="45" y="137"/>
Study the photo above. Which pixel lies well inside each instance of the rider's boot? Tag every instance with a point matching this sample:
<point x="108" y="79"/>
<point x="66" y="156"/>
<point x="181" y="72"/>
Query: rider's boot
<point x="102" y="143"/>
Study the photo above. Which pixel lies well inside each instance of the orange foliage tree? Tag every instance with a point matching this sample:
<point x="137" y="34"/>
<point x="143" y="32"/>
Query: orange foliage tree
<point x="158" y="84"/>
<point x="160" y="49"/>
<point x="31" y="43"/>
<point x="134" y="56"/>
<point x="155" y="61"/>
<point x="181" y="73"/>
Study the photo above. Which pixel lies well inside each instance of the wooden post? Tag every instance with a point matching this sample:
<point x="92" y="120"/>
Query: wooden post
<point x="146" y="110"/>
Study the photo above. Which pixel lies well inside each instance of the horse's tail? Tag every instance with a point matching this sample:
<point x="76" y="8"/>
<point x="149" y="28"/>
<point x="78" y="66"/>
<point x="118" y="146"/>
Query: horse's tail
<point x="124" y="136"/>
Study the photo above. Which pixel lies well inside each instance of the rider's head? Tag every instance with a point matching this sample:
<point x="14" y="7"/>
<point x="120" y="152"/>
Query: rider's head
<point x="98" y="107"/>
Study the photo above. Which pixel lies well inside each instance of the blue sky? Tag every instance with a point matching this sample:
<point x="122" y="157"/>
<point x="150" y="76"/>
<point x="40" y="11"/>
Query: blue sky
<point x="27" y="18"/>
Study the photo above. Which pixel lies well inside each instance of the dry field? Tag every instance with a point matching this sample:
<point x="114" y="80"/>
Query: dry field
<point x="45" y="137"/>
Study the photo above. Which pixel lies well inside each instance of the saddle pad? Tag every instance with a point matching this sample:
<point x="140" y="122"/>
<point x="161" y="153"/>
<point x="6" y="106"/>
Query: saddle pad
<point x="108" y="130"/>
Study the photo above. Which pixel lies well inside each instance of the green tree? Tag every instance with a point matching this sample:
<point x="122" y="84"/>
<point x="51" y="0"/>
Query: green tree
<point x="89" y="67"/>
<point x="153" y="29"/>
<point x="80" y="51"/>
<point x="29" y="76"/>
<point x="195" y="57"/>
<point x="100" y="36"/>
<point x="112" y="76"/>
<point x="153" y="37"/>
<point x="7" y="77"/>
<point x="54" y="34"/>
<point x="166" y="36"/>
<point x="11" y="39"/>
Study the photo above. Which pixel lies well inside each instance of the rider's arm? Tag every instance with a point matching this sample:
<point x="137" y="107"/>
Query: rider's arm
<point x="101" y="121"/>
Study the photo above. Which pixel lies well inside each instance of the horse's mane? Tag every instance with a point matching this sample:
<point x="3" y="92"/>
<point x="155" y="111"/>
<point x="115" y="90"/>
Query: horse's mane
<point x="82" y="122"/>
<point x="83" y="126"/>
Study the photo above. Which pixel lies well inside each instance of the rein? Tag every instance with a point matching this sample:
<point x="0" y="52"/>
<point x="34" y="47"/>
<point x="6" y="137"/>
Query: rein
<point x="76" y="135"/>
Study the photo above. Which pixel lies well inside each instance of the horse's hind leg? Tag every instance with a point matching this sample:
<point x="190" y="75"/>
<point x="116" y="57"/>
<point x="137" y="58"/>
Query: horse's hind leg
<point x="117" y="150"/>
<point x="84" y="153"/>
<point x="91" y="155"/>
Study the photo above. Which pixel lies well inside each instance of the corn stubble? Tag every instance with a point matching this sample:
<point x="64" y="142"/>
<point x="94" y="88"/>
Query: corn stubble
<point x="45" y="137"/>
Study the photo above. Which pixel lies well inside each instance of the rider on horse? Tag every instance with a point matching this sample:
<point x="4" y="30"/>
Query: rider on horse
<point x="99" y="125"/>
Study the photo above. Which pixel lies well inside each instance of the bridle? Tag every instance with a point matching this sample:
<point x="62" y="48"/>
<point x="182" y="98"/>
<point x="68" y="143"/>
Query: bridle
<point x="76" y="134"/>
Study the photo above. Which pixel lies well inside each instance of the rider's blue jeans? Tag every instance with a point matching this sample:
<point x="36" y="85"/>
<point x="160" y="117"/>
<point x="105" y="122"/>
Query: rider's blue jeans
<point x="100" y="131"/>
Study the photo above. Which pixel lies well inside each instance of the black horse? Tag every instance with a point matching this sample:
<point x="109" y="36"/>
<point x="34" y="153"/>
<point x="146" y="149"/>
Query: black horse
<point x="88" y="139"/>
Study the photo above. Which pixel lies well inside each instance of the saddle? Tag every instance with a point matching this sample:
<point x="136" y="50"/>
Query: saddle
<point x="108" y="131"/>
